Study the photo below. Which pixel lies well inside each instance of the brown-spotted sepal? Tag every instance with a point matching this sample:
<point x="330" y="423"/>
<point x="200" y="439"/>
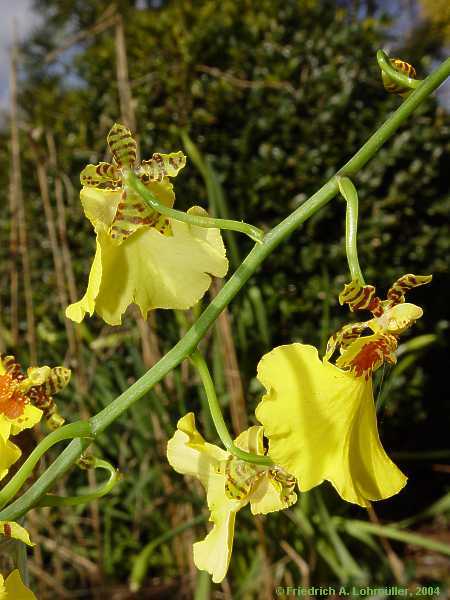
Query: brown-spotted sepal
<point x="161" y="165"/>
<point x="344" y="337"/>
<point x="360" y="297"/>
<point x="122" y="145"/>
<point x="41" y="395"/>
<point x="104" y="176"/>
<point x="396" y="293"/>
<point x="366" y="354"/>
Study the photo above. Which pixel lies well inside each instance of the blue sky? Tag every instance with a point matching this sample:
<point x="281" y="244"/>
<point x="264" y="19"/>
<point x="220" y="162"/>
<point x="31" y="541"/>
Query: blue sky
<point x="26" y="19"/>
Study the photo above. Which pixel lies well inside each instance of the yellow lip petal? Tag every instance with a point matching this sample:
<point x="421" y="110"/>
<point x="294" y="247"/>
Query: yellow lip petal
<point x="9" y="454"/>
<point x="321" y="425"/>
<point x="214" y="552"/>
<point x="151" y="270"/>
<point x="15" y="588"/>
<point x="77" y="310"/>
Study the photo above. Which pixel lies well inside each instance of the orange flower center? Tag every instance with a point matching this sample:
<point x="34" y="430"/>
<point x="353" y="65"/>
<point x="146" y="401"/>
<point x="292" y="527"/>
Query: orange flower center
<point x="12" y="401"/>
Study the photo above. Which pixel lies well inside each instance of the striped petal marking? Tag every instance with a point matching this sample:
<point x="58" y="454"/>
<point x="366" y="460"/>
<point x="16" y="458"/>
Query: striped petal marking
<point x="396" y="294"/>
<point x="104" y="176"/>
<point x="132" y="213"/>
<point x="122" y="146"/>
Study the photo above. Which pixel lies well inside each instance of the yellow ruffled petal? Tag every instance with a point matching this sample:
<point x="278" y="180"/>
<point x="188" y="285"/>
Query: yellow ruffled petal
<point x="77" y="310"/>
<point x="29" y="418"/>
<point x="9" y="454"/>
<point x="15" y="589"/>
<point x="321" y="425"/>
<point x="213" y="554"/>
<point x="151" y="270"/>
<point x="11" y="529"/>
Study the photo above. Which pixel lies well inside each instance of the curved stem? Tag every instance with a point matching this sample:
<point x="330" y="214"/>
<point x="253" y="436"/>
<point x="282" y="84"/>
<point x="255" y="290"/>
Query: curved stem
<point x="257" y="255"/>
<point x="400" y="78"/>
<point x="350" y="194"/>
<point x="70" y="431"/>
<point x="102" y="490"/>
<point x="253" y="232"/>
<point x="217" y="417"/>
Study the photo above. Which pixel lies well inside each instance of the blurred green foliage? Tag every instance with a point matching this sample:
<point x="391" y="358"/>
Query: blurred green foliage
<point x="276" y="95"/>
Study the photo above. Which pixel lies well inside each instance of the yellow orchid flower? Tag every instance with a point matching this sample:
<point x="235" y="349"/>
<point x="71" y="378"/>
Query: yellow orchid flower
<point x="230" y="484"/>
<point x="141" y="256"/>
<point x="320" y="418"/>
<point x="23" y="401"/>
<point x="13" y="588"/>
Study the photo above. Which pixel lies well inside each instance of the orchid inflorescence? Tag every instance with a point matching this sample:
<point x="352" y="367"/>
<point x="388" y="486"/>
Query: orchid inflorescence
<point x="317" y="418"/>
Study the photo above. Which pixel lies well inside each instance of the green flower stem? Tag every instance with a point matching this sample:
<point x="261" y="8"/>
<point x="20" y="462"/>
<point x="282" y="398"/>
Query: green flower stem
<point x="350" y="194"/>
<point x="67" y="432"/>
<point x="217" y="417"/>
<point x="253" y="232"/>
<point x="403" y="80"/>
<point x="257" y="255"/>
<point x="102" y="490"/>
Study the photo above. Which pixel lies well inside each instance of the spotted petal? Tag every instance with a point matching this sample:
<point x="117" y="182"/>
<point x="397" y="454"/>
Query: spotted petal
<point x="321" y="425"/>
<point x="161" y="166"/>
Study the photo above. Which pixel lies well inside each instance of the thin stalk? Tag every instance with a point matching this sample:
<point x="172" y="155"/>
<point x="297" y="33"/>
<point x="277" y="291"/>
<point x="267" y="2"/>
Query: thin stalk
<point x="67" y="432"/>
<point x="95" y="494"/>
<point x="253" y="232"/>
<point x="350" y="194"/>
<point x="254" y="259"/>
<point x="217" y="417"/>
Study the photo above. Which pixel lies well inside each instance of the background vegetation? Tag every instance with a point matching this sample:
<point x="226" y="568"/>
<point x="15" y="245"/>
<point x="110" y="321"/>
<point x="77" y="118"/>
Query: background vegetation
<point x="267" y="99"/>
